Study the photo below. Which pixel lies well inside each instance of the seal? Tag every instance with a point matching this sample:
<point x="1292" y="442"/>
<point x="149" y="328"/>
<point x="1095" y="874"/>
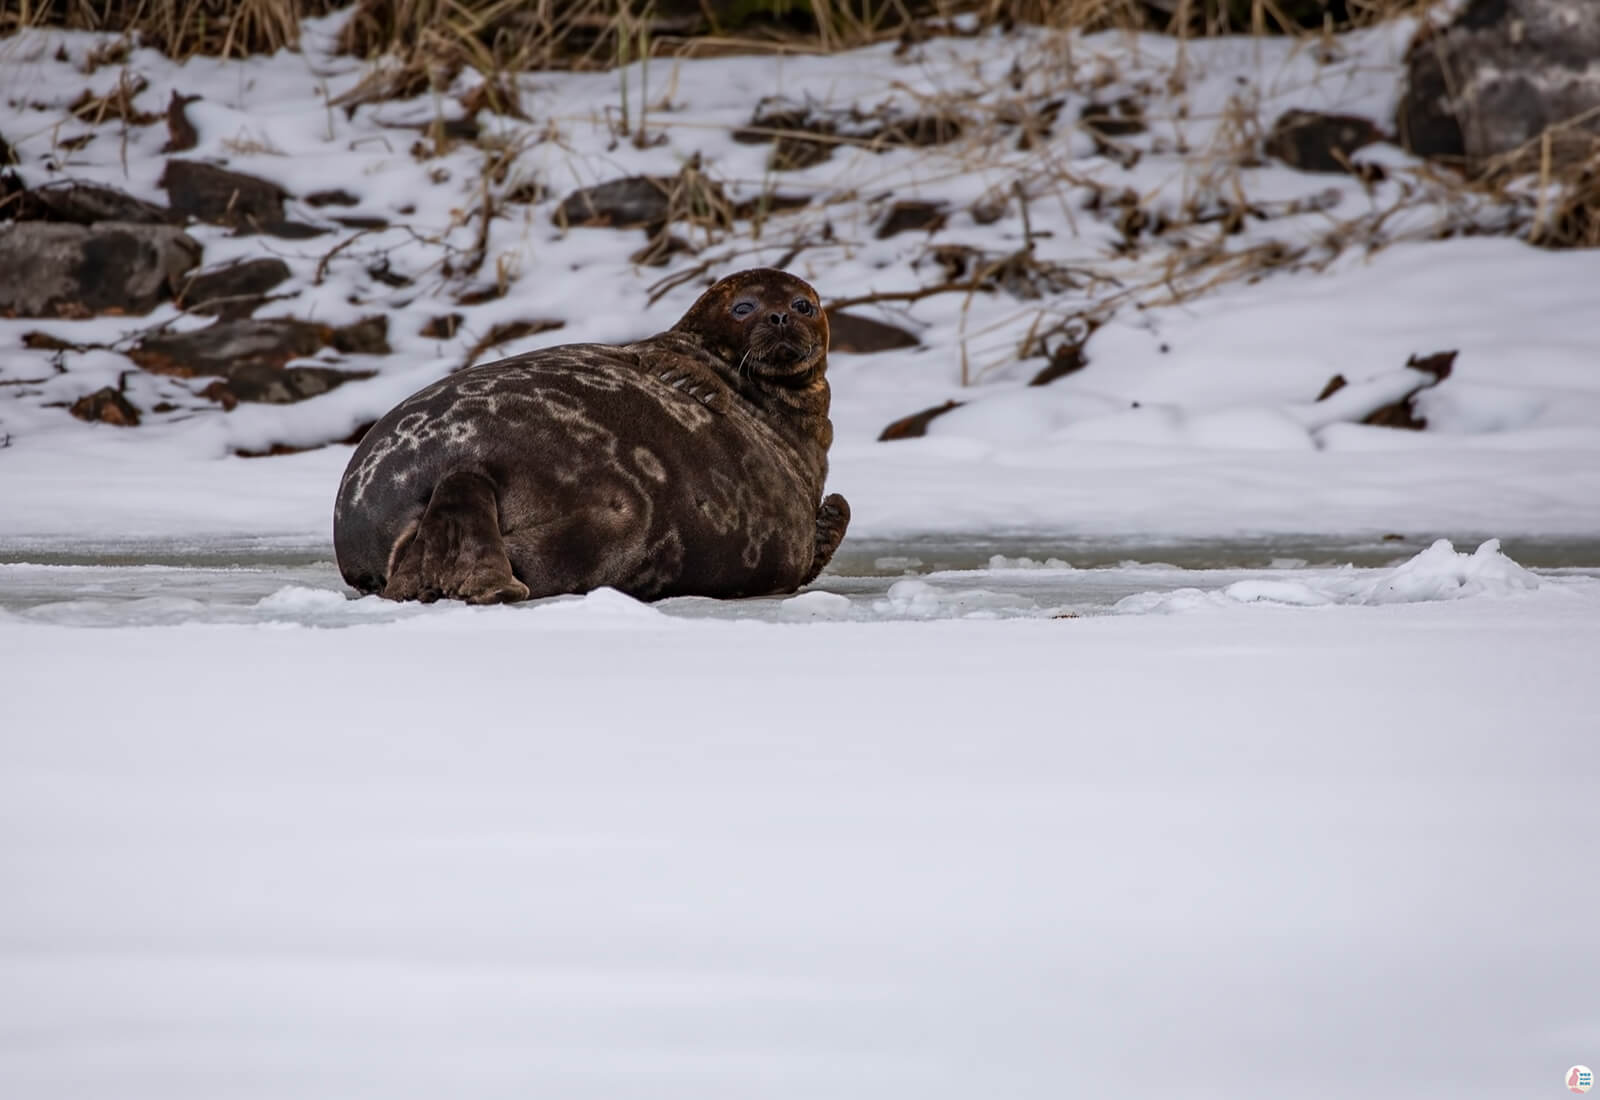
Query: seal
<point x="689" y="463"/>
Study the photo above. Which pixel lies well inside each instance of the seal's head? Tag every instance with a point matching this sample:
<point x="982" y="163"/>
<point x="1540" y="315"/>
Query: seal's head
<point x="765" y="324"/>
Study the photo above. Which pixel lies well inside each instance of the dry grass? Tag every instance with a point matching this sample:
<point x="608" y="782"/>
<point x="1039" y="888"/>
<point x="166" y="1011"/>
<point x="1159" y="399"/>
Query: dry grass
<point x="494" y="35"/>
<point x="179" y="28"/>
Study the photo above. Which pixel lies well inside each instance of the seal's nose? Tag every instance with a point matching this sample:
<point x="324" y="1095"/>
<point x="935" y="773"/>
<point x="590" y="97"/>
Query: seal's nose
<point x="779" y="318"/>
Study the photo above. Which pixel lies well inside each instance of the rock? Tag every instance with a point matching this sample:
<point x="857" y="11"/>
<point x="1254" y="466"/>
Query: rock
<point x="337" y="197"/>
<point x="368" y="336"/>
<point x="8" y="153"/>
<point x="804" y="133"/>
<point x="1066" y="359"/>
<point x="244" y="203"/>
<point x="1498" y="75"/>
<point x="1401" y="413"/>
<point x="107" y="406"/>
<point x="230" y="346"/>
<point x="85" y="203"/>
<point x="268" y="386"/>
<point x="1122" y="118"/>
<point x="910" y="427"/>
<point x="628" y="203"/>
<point x="856" y="335"/>
<point x="233" y="290"/>
<point x="442" y="327"/>
<point x="55" y="269"/>
<point x="252" y="357"/>
<point x="1316" y="142"/>
<point x="227" y="346"/>
<point x="911" y="214"/>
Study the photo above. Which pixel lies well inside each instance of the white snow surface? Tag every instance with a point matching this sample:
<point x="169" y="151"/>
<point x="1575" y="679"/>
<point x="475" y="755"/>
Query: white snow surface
<point x="964" y="843"/>
<point x="594" y="849"/>
<point x="1193" y="417"/>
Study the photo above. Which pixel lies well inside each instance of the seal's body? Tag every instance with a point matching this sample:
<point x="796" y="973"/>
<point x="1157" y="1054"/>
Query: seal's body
<point x="691" y="463"/>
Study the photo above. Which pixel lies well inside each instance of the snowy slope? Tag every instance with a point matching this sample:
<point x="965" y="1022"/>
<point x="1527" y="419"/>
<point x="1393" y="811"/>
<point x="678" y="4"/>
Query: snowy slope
<point x="1225" y="438"/>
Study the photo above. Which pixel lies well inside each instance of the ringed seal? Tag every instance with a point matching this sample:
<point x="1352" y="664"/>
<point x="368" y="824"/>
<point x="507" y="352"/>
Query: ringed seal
<point x="690" y="463"/>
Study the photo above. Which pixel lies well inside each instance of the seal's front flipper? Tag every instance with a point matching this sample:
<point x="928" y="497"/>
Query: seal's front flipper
<point x="689" y="376"/>
<point x="455" y="551"/>
<point x="832" y="519"/>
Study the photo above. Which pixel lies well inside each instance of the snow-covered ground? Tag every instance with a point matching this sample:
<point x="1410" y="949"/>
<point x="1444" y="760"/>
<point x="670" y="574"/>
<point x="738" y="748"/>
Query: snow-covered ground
<point x="1020" y="831"/>
<point x="989" y="811"/>
<point x="1194" y="416"/>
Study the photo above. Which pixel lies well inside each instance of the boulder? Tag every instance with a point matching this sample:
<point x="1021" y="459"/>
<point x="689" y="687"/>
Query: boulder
<point x="633" y="202"/>
<point x="1315" y="142"/>
<point x="86" y="203"/>
<point x="233" y="290"/>
<point x="252" y="356"/>
<point x="854" y="334"/>
<point x="247" y="204"/>
<point x="1500" y="74"/>
<point x="58" y="269"/>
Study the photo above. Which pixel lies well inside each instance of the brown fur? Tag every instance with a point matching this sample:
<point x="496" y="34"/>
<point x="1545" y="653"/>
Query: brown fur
<point x="690" y="463"/>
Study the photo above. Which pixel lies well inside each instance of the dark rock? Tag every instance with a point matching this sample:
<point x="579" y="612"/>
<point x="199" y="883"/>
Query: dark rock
<point x="211" y="194"/>
<point x="856" y="335"/>
<point x="769" y="203"/>
<point x="1066" y="359"/>
<point x="107" y="406"/>
<point x="1402" y="413"/>
<point x="1316" y="142"/>
<point x="266" y="385"/>
<point x="233" y="290"/>
<point x="50" y="269"/>
<point x="252" y="357"/>
<point x="915" y="425"/>
<point x="181" y="135"/>
<point x="88" y="203"/>
<point x="1498" y="76"/>
<point x="368" y="336"/>
<point x="17" y="203"/>
<point x="337" y="197"/>
<point x="629" y="203"/>
<point x="8" y="153"/>
<point x="804" y="133"/>
<point x="228" y="346"/>
<point x="243" y="203"/>
<point x="442" y="327"/>
<point x="793" y="152"/>
<point x="911" y="214"/>
<point x="219" y="392"/>
<point x="1122" y="118"/>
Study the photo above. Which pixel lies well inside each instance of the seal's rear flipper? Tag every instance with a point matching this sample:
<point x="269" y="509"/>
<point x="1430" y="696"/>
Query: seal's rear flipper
<point x="455" y="550"/>
<point x="832" y="519"/>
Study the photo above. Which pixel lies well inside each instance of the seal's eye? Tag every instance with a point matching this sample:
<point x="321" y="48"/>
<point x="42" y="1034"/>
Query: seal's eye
<point x="743" y="309"/>
<point x="802" y="307"/>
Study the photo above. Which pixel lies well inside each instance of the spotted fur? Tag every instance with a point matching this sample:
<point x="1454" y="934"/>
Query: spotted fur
<point x="689" y="463"/>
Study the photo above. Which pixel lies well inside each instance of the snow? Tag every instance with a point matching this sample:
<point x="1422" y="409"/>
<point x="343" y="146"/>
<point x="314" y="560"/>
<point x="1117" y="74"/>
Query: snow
<point x="1195" y="416"/>
<point x="593" y="848"/>
<point x="1092" y="766"/>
